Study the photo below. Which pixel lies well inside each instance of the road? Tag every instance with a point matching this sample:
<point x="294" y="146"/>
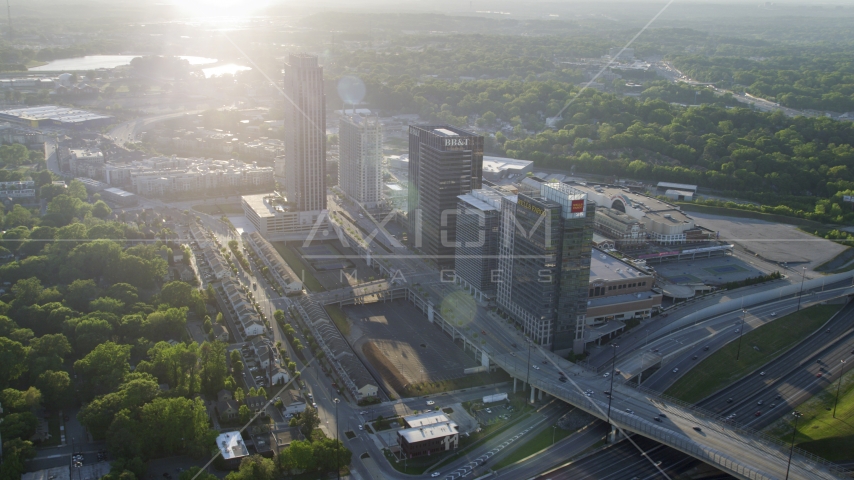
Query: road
<point x="555" y="455"/>
<point x="791" y="378"/>
<point x="685" y="348"/>
<point x="661" y="324"/>
<point x="635" y="459"/>
<point x="670" y="72"/>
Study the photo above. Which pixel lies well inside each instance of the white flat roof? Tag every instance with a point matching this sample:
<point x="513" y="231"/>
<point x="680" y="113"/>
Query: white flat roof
<point x="678" y="186"/>
<point x="606" y="267"/>
<point x="447" y="132"/>
<point x="415" y="435"/>
<point x="476" y="203"/>
<point x="498" y="164"/>
<point x="426" y="418"/>
<point x="231" y="445"/>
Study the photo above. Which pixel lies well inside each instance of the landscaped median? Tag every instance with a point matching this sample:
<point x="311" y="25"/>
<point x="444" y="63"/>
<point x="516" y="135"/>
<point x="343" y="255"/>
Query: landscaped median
<point x="818" y="431"/>
<point x="759" y="347"/>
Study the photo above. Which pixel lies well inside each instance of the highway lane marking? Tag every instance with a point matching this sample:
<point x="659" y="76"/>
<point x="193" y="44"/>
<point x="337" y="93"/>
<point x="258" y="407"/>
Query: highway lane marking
<point x="469" y="467"/>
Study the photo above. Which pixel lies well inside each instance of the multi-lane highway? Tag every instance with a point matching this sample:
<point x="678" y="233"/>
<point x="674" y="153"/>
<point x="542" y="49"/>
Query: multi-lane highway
<point x="792" y="378"/>
<point x="637" y="459"/>
<point x="682" y="350"/>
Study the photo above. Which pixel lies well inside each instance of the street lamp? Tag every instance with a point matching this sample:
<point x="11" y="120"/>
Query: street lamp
<point x="797" y="415"/>
<point x="613" y="369"/>
<point x="838" y="385"/>
<point x="801" y="293"/>
<point x="740" y="333"/>
<point x="528" y="378"/>
<point x="337" y="442"/>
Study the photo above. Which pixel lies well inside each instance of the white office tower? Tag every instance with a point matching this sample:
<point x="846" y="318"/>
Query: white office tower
<point x="305" y="134"/>
<point x="360" y="142"/>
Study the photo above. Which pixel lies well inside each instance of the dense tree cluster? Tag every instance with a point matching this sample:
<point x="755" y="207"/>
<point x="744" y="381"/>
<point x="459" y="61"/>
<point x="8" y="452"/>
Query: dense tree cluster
<point x="821" y="80"/>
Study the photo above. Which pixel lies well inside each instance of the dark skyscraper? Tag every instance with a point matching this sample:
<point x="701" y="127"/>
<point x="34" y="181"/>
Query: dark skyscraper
<point x="544" y="263"/>
<point x="444" y="162"/>
<point x="305" y="133"/>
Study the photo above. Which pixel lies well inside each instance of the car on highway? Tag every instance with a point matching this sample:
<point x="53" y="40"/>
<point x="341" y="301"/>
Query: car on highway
<point x="630" y="411"/>
<point x="694" y="357"/>
<point x="430" y="402"/>
<point x="705" y="348"/>
<point x="435" y="474"/>
<point x="737" y="330"/>
<point x="761" y="374"/>
<point x="818" y="374"/>
<point x="757" y="414"/>
<point x="562" y="379"/>
<point x="698" y="429"/>
<point x="314" y="404"/>
<point x="759" y="402"/>
<point x="773" y="314"/>
<point x="729" y="400"/>
<point x="536" y="367"/>
<point x="675" y="370"/>
<point x="606" y="375"/>
<point x="657" y="419"/>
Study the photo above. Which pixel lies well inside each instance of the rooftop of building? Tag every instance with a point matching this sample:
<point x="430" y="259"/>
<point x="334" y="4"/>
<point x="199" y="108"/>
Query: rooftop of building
<point x="266" y="205"/>
<point x="677" y="186"/>
<point x="605" y="267"/>
<point x="119" y="192"/>
<point x="53" y="112"/>
<point x="618" y="299"/>
<point x="477" y="203"/>
<point x="420" y="434"/>
<point x="231" y="445"/>
<point x="499" y="164"/>
<point x="653" y="208"/>
<point x="426" y="418"/>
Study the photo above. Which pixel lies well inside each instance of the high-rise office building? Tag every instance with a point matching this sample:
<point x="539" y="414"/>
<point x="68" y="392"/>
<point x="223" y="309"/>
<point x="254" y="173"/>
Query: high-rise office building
<point x="544" y="264"/>
<point x="444" y="162"/>
<point x="305" y="133"/>
<point x="476" y="260"/>
<point x="360" y="158"/>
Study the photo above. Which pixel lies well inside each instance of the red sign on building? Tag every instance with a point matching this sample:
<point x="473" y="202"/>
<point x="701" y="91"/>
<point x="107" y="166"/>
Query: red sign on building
<point x="577" y="206"/>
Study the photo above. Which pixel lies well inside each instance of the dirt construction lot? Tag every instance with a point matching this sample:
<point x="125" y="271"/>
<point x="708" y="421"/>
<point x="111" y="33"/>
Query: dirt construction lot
<point x="776" y="242"/>
<point x="419" y="350"/>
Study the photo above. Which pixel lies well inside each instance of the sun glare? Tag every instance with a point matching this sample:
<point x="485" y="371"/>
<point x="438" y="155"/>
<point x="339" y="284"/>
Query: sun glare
<point x="215" y="8"/>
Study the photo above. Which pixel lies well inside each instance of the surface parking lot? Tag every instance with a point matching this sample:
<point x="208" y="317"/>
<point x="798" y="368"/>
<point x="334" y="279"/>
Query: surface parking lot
<point x="776" y="242"/>
<point x="711" y="271"/>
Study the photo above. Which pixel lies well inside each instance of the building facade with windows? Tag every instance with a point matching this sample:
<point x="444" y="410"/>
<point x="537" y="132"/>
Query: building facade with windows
<point x="476" y="259"/>
<point x="544" y="264"/>
<point x="360" y="158"/>
<point x="444" y="163"/>
<point x="305" y="133"/>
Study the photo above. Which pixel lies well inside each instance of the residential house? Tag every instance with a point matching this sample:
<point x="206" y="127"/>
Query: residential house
<point x="292" y="402"/>
<point x="220" y="332"/>
<point x="256" y="404"/>
<point x="227" y="409"/>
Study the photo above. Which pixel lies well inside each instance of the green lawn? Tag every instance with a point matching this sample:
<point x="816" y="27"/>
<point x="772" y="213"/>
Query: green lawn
<point x="339" y="318"/>
<point x="820" y="433"/>
<point x="533" y="445"/>
<point x="297" y="265"/>
<point x="722" y="369"/>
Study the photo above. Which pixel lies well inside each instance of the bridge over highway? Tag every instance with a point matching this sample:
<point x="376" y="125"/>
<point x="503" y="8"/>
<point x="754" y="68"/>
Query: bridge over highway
<point x="741" y="452"/>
